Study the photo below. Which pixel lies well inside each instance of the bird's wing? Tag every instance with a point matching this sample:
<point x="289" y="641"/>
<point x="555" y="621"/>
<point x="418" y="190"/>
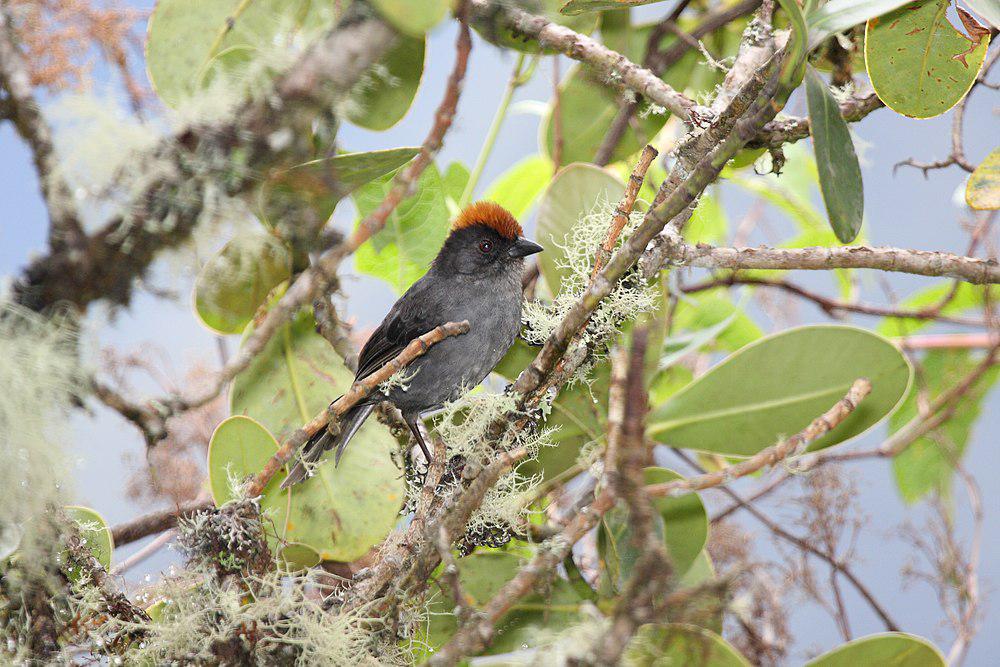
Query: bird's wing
<point x="401" y="325"/>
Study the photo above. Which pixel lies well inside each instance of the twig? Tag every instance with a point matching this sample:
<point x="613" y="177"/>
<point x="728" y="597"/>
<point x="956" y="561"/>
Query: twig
<point x="142" y="554"/>
<point x="772" y="455"/>
<point x="828" y="305"/>
<point x="624" y="209"/>
<point x="357" y="391"/>
<point x="672" y="250"/>
<point x="155" y="522"/>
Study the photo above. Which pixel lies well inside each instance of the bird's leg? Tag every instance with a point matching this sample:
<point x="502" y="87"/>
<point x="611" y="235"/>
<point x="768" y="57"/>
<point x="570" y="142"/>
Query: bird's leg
<point x="413" y="421"/>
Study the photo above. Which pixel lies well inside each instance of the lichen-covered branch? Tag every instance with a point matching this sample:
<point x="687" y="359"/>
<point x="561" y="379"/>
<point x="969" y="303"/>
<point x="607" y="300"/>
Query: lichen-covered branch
<point x="357" y="391"/>
<point x="106" y="264"/>
<point x="671" y="250"/>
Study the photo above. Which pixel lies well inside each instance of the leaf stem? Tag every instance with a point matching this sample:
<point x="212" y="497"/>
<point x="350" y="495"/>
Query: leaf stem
<point x="520" y="76"/>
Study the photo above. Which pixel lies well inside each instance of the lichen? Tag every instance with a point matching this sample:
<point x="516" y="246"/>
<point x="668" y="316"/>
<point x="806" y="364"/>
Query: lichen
<point x="629" y="298"/>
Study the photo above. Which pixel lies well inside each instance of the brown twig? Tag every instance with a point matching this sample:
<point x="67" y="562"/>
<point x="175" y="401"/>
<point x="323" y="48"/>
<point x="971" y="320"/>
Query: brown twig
<point x="156" y="522"/>
<point x="624" y="209"/>
<point x="357" y="391"/>
<point x="828" y="305"/>
<point x="774" y="454"/>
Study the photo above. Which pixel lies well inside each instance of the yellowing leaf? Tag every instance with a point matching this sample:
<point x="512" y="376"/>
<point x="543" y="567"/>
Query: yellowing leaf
<point x="982" y="192"/>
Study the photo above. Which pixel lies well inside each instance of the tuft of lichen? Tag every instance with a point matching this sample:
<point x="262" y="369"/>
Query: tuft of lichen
<point x="630" y="297"/>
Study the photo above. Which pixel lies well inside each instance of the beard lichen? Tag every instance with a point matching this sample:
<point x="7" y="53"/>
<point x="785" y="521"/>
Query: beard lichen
<point x="630" y="298"/>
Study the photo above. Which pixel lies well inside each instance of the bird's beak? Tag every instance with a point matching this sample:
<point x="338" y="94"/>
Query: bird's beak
<point x="523" y="247"/>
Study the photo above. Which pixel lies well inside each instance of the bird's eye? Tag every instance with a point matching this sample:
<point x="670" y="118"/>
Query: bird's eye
<point x="486" y="246"/>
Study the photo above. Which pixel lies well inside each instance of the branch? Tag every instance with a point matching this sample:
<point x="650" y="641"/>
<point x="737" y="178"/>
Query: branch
<point x="23" y="110"/>
<point x="796" y="444"/>
<point x="670" y="249"/>
<point x="155" y="522"/>
<point x="624" y="209"/>
<point x="358" y="391"/>
<point x="828" y="305"/>
<point x="790" y="130"/>
<point x="616" y="68"/>
<point x="165" y="212"/>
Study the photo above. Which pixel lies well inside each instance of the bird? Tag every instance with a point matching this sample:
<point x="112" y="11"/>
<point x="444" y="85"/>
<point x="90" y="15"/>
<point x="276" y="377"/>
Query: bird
<point x="476" y="276"/>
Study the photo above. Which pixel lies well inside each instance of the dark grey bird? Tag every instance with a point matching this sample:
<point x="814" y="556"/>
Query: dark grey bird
<point x="476" y="276"/>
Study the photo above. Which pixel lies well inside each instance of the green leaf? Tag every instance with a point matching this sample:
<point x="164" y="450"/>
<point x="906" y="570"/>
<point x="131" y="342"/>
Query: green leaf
<point x="702" y="312"/>
<point x="184" y="51"/>
<point x="413" y="17"/>
<point x="685" y="522"/>
<point x="95" y="535"/>
<point x="982" y="192"/>
<point x="678" y="644"/>
<point x="927" y="464"/>
<point x="455" y="178"/>
<point x="517" y="188"/>
<point x="412" y="235"/>
<point x="574" y="192"/>
<point x="485" y="23"/>
<point x="792" y="68"/>
<point x="839" y="171"/>
<point x="682" y="523"/>
<point x="919" y="64"/>
<point x="838" y="15"/>
<point x="297" y="556"/>
<point x="888" y="648"/>
<point x="235" y="282"/>
<point x="381" y="99"/>
<point x="775" y="387"/>
<point x="340" y="513"/>
<point x="321" y="184"/>
<point x="574" y="7"/>
<point x="709" y="222"/>
<point x="482" y="574"/>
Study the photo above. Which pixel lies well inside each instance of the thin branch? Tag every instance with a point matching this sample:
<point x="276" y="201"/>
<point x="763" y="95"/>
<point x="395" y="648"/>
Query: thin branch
<point x="358" y="391"/>
<point x="774" y="454"/>
<point x="828" y="305"/>
<point x="624" y="209"/>
<point x="156" y="522"/>
<point x="670" y="249"/>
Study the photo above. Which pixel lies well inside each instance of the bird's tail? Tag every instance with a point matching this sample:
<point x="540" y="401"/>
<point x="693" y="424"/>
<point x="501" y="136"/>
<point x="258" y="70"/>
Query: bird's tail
<point x="323" y="442"/>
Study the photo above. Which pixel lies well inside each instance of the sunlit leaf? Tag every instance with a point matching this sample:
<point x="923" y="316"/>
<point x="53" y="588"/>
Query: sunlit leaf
<point x="928" y="463"/>
<point x="919" y="64"/>
<point x="413" y="233"/>
<point x="235" y="282"/>
<point x="961" y="297"/>
<point x="839" y="170"/>
<point x="338" y="514"/>
<point x="482" y="574"/>
<point x="775" y="387"/>
<point x="982" y="192"/>
<point x="322" y="183"/>
<point x="520" y="186"/>
<point x="889" y="648"/>
<point x="579" y="6"/>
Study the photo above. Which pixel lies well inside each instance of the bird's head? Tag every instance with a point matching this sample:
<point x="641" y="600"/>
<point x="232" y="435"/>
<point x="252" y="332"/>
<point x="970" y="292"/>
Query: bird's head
<point x="485" y="239"/>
